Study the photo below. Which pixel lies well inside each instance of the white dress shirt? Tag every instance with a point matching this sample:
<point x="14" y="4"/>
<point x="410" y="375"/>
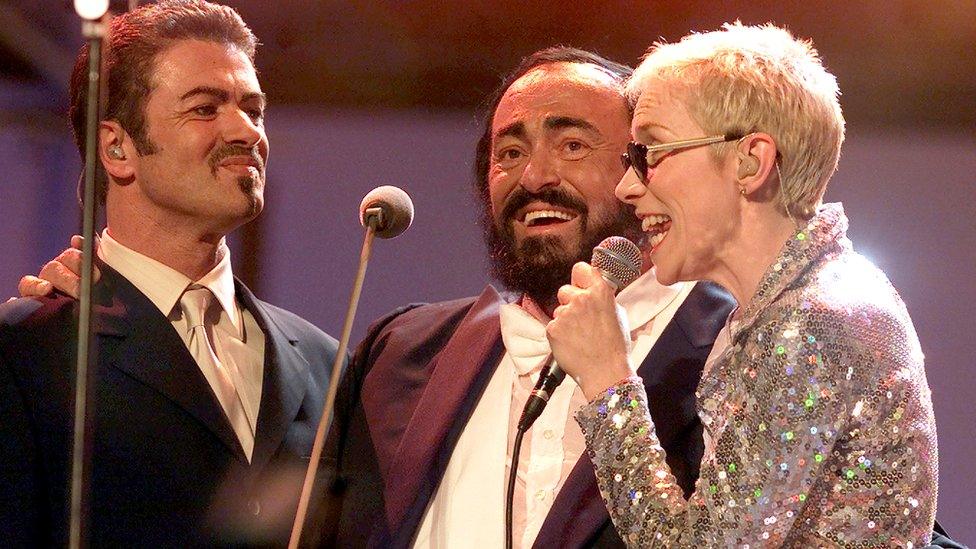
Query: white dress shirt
<point x="467" y="510"/>
<point x="236" y="335"/>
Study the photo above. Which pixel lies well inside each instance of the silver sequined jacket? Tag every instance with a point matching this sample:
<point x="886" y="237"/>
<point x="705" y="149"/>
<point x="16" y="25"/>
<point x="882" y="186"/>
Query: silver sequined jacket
<point x="818" y="419"/>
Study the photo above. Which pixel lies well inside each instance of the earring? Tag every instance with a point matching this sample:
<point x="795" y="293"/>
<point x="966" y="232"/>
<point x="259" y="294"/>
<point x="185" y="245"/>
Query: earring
<point x="115" y="152"/>
<point x="742" y="191"/>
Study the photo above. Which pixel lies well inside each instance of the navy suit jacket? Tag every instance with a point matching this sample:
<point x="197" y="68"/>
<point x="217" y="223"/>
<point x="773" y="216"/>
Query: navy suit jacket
<point x="167" y="468"/>
<point x="419" y="374"/>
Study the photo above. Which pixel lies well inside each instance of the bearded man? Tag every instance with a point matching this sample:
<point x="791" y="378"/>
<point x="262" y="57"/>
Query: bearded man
<point x="435" y="391"/>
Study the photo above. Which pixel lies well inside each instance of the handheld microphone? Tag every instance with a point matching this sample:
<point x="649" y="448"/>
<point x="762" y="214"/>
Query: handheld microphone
<point x="388" y="210"/>
<point x="619" y="262"/>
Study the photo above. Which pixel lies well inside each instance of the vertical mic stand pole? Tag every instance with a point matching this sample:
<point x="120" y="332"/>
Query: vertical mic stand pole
<point x="94" y="31"/>
<point x="373" y="218"/>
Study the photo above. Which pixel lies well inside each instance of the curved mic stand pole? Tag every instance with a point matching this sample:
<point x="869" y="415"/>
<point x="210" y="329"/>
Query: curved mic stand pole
<point x="373" y="218"/>
<point x="94" y="32"/>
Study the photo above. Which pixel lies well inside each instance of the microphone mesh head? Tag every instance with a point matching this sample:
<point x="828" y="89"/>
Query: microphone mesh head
<point x="619" y="260"/>
<point x="396" y="206"/>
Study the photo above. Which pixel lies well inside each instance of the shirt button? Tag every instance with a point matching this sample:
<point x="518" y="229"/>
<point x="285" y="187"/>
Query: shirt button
<point x="254" y="506"/>
<point x="540" y="495"/>
<point x="548" y="434"/>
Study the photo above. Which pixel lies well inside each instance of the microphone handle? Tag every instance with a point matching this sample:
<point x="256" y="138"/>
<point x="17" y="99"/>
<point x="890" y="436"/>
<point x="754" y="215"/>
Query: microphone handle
<point x="552" y="375"/>
<point x="550" y="378"/>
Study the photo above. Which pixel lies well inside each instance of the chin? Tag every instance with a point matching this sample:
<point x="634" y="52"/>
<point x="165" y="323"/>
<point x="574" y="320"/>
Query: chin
<point x="665" y="278"/>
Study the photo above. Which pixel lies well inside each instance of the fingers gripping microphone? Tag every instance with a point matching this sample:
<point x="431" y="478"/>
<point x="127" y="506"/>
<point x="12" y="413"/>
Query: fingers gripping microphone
<point x="388" y="210"/>
<point x="385" y="212"/>
<point x="619" y="262"/>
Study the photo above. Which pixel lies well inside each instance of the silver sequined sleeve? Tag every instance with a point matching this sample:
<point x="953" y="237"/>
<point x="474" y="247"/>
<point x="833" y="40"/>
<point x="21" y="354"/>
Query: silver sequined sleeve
<point x="818" y="430"/>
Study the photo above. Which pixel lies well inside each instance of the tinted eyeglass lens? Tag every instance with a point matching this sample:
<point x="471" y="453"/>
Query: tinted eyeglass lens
<point x="637" y="157"/>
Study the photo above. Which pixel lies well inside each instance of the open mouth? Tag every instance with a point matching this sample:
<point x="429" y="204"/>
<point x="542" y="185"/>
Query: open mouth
<point x="541" y="218"/>
<point x="656" y="226"/>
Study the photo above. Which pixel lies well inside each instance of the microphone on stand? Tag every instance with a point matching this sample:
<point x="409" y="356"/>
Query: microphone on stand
<point x="385" y="212"/>
<point x="388" y="210"/>
<point x="619" y="262"/>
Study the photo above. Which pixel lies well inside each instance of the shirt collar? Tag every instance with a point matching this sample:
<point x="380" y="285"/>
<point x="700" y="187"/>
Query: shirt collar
<point x="645" y="298"/>
<point x="525" y="335"/>
<point x="164" y="285"/>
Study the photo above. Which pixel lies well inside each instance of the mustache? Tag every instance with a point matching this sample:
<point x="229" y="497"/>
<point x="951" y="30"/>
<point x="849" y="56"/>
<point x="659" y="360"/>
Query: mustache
<point x="228" y="150"/>
<point x="555" y="196"/>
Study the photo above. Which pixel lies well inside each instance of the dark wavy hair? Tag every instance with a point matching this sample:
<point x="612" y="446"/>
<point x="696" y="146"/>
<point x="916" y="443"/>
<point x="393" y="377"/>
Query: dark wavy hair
<point x="133" y="42"/>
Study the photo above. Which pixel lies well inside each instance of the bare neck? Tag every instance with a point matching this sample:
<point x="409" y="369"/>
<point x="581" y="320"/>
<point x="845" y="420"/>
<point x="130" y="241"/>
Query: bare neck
<point x="180" y="246"/>
<point x="537" y="311"/>
<point x="746" y="259"/>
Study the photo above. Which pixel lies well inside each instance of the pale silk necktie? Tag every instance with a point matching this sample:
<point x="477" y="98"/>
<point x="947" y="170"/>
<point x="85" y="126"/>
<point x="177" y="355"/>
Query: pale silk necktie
<point x="195" y="303"/>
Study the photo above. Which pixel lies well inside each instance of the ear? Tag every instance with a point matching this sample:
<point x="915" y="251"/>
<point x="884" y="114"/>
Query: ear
<point x="116" y="151"/>
<point x="756" y="154"/>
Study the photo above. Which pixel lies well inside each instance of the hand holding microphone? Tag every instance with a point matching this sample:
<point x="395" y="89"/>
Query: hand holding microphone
<point x="616" y="262"/>
<point x="588" y="332"/>
<point x="589" y="335"/>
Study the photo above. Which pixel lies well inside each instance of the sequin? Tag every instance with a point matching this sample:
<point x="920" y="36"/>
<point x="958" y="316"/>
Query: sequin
<point x="852" y="463"/>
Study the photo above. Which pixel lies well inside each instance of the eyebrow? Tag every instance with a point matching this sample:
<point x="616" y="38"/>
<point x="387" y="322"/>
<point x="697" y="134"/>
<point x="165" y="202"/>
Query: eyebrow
<point x="222" y="95"/>
<point x="562" y="122"/>
<point x="515" y="129"/>
<point x="647" y="127"/>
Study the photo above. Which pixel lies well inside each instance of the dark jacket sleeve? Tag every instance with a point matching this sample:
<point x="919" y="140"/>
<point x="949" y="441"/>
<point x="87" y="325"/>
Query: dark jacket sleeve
<point x="348" y="457"/>
<point x="21" y="489"/>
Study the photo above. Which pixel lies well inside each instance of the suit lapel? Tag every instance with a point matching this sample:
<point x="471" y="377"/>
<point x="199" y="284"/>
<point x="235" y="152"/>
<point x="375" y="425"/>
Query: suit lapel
<point x="578" y="511"/>
<point x="286" y="379"/>
<point x="459" y="374"/>
<point x="673" y="365"/>
<point x="136" y="338"/>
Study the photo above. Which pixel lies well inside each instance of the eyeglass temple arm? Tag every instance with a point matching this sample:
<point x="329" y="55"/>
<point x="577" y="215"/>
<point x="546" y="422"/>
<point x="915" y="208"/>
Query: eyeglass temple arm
<point x="694" y="142"/>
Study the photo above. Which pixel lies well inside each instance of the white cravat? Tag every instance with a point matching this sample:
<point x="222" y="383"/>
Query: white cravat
<point x="224" y="378"/>
<point x="525" y="339"/>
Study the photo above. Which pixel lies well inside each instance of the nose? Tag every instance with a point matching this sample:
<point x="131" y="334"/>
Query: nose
<point x="540" y="172"/>
<point x="243" y="130"/>
<point x="630" y="188"/>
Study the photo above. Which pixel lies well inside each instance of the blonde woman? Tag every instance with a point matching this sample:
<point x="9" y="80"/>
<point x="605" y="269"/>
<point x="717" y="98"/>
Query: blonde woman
<point x="818" y="418"/>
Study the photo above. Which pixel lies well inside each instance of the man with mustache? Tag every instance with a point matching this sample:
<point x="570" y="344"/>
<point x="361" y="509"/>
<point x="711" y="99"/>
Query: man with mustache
<point x="205" y="400"/>
<point x="426" y="412"/>
<point x="428" y="408"/>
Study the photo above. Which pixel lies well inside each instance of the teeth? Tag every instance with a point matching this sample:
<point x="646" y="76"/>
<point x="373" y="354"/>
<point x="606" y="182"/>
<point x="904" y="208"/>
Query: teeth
<point x="539" y="214"/>
<point x="652" y="220"/>
<point x="656" y="239"/>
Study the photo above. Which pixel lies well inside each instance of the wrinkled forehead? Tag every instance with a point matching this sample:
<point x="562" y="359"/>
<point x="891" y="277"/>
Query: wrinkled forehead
<point x="660" y="102"/>
<point x="577" y="90"/>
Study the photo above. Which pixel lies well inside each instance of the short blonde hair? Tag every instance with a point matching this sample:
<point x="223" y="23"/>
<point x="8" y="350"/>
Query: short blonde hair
<point x="743" y="79"/>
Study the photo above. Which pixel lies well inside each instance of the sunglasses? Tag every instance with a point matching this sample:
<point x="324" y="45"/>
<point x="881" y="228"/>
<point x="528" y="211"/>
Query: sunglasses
<point x="642" y="157"/>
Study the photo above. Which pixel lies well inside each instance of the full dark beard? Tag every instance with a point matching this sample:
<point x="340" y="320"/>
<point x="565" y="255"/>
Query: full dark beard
<point x="540" y="265"/>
